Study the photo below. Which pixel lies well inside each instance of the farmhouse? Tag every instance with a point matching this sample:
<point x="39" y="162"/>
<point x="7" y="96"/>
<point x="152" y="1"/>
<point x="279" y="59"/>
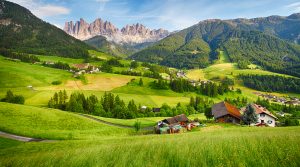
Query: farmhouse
<point x="174" y="124"/>
<point x="264" y="116"/>
<point x="225" y="112"/>
<point x="81" y="66"/>
<point x="179" y="119"/>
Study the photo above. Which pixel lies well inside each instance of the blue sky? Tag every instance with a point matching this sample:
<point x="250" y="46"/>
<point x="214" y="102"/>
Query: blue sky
<point x="167" y="14"/>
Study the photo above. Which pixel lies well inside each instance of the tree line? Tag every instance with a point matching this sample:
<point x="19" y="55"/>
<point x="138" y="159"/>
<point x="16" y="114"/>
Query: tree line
<point x="59" y="65"/>
<point x="110" y="105"/>
<point x="206" y="88"/>
<point x="271" y="83"/>
<point x="20" y="56"/>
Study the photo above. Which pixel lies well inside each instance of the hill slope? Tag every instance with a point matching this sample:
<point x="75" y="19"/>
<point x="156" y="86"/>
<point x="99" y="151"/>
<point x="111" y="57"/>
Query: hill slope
<point x="102" y="44"/>
<point x="52" y="124"/>
<point x="21" y="31"/>
<point x="198" y="45"/>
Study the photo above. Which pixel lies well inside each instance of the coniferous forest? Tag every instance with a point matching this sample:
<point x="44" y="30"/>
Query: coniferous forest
<point x="270" y="83"/>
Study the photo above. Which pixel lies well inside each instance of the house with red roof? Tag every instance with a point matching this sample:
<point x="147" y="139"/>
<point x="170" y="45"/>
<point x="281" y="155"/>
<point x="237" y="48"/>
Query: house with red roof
<point x="265" y="117"/>
<point x="225" y="112"/>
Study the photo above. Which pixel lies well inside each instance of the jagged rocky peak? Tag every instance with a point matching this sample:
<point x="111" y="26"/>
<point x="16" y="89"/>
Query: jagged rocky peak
<point x="130" y="34"/>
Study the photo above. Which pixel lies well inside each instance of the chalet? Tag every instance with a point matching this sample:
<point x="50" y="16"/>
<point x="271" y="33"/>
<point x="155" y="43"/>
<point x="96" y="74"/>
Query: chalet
<point x="264" y="116"/>
<point x="83" y="66"/>
<point x="293" y="102"/>
<point x="181" y="74"/>
<point x="175" y="124"/>
<point x="179" y="119"/>
<point x="225" y="112"/>
<point x="156" y="109"/>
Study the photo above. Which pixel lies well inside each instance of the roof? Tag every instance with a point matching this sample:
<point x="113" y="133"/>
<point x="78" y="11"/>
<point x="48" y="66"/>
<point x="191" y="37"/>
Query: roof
<point x="81" y="66"/>
<point x="176" y="119"/>
<point x="259" y="109"/>
<point x="156" y="109"/>
<point x="223" y="108"/>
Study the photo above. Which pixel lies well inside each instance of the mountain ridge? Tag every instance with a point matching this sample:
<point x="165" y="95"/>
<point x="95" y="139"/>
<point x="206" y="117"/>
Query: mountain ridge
<point x="129" y="34"/>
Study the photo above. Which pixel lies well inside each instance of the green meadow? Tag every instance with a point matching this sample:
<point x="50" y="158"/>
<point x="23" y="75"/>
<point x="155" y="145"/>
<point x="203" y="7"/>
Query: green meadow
<point x="79" y="141"/>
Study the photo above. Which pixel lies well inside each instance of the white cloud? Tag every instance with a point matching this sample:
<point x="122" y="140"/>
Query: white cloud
<point x="41" y="9"/>
<point x="50" y="10"/>
<point x="295" y="7"/>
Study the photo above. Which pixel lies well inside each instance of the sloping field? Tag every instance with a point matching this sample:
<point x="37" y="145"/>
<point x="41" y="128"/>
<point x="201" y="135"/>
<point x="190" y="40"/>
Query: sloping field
<point x="47" y="123"/>
<point x="18" y="74"/>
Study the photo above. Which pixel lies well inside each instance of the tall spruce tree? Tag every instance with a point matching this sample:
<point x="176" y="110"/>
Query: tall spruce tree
<point x="249" y="115"/>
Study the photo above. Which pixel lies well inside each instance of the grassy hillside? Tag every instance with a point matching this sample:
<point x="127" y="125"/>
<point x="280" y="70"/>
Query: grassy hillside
<point x="52" y="124"/>
<point x="215" y="146"/>
<point x="101" y="43"/>
<point x="41" y="77"/>
<point x="19" y="74"/>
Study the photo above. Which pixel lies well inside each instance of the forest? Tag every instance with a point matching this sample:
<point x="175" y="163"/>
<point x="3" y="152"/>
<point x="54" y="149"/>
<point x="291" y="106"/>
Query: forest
<point x="112" y="106"/>
<point x="271" y="83"/>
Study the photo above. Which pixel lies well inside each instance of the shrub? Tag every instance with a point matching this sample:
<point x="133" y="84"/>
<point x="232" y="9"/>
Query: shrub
<point x="137" y="125"/>
<point x="56" y="82"/>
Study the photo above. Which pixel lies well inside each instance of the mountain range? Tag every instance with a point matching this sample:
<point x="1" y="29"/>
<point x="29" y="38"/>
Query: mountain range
<point x="130" y="34"/>
<point x="271" y="42"/>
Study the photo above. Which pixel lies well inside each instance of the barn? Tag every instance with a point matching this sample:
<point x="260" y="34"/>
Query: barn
<point x="225" y="112"/>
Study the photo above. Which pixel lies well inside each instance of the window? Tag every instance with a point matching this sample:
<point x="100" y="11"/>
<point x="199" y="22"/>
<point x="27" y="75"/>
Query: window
<point x="262" y="115"/>
<point x="270" y="121"/>
<point x="262" y="121"/>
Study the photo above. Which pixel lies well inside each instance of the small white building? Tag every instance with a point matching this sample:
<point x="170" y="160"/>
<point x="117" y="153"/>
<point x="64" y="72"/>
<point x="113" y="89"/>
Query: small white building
<point x="264" y="116"/>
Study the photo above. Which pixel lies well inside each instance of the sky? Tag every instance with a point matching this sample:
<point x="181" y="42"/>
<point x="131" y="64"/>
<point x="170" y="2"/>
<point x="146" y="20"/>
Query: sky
<point x="167" y="14"/>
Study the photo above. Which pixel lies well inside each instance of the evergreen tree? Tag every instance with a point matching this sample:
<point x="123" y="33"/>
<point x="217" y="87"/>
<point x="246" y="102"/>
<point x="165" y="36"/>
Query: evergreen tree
<point x="141" y="82"/>
<point x="249" y="115"/>
<point x="65" y="97"/>
<point x="51" y="103"/>
<point x="55" y="99"/>
<point x="9" y="96"/>
<point x="208" y="114"/>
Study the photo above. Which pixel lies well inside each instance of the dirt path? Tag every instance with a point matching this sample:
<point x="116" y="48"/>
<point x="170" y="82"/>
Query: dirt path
<point x="21" y="138"/>
<point x="114" y="124"/>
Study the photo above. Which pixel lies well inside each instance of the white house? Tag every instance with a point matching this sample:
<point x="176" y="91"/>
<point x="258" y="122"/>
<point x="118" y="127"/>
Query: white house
<point x="264" y="116"/>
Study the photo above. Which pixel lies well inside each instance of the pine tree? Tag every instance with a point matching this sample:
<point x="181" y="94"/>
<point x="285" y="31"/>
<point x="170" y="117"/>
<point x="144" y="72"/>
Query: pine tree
<point x="249" y="115"/>
<point x="141" y="82"/>
<point x="192" y="102"/>
<point x="55" y="99"/>
<point x="9" y="96"/>
<point x="65" y="97"/>
<point x="51" y="103"/>
<point x="60" y="99"/>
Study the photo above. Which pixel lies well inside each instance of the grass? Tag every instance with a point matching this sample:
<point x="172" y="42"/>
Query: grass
<point x="84" y="142"/>
<point x="215" y="147"/>
<point x="101" y="55"/>
<point x="51" y="123"/>
<point x="18" y="74"/>
<point x="61" y="59"/>
<point x="223" y="57"/>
